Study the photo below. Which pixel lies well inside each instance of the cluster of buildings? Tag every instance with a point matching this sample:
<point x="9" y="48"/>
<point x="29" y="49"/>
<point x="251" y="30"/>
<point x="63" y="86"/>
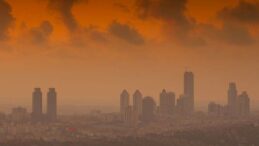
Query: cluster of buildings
<point x="20" y="114"/>
<point x="145" y="108"/>
<point x="238" y="105"/>
<point x="37" y="112"/>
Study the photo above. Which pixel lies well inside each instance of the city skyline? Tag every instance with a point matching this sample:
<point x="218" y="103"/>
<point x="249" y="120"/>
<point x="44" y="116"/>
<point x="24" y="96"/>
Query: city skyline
<point x="238" y="104"/>
<point x="137" y="97"/>
<point x="110" y="45"/>
<point x="129" y="72"/>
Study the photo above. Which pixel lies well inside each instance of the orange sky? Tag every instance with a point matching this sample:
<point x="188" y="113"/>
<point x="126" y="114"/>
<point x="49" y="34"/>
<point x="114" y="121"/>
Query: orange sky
<point x="99" y="47"/>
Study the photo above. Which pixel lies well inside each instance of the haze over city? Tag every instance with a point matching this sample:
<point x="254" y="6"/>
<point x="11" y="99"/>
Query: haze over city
<point x="91" y="50"/>
<point x="129" y="72"/>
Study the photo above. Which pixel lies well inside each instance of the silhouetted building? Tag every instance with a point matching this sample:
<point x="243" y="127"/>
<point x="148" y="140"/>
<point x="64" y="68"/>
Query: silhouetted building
<point x="148" y="109"/>
<point x="137" y="102"/>
<point x="232" y="99"/>
<point x="182" y="105"/>
<point x="130" y="117"/>
<point x="243" y="104"/>
<point x="51" y="104"/>
<point x="124" y="101"/>
<point x="238" y="105"/>
<point x="19" y="115"/>
<point x="215" y="109"/>
<point x="37" y="114"/>
<point x="167" y="102"/>
<point x="189" y="91"/>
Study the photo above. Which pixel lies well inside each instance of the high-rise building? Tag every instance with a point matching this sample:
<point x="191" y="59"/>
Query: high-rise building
<point x="167" y="102"/>
<point x="243" y="104"/>
<point x="124" y="101"/>
<point x="171" y="97"/>
<point x="37" y="114"/>
<point x="163" y="102"/>
<point x="215" y="109"/>
<point x="148" y="109"/>
<point x="238" y="105"/>
<point x="52" y="104"/>
<point x="189" y="84"/>
<point x="189" y="91"/>
<point x="130" y="117"/>
<point x="19" y="114"/>
<point x="232" y="99"/>
<point x="182" y="104"/>
<point x="137" y="102"/>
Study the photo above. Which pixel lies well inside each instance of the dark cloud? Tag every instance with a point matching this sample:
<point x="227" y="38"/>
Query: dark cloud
<point x="244" y="12"/>
<point x="121" y="6"/>
<point x="126" y="33"/>
<point x="237" y="35"/>
<point x="236" y="21"/>
<point x="162" y="9"/>
<point x="173" y="13"/>
<point x="94" y="34"/>
<point x="184" y="29"/>
<point x="42" y="33"/>
<point x="229" y="34"/>
<point x="6" y="19"/>
<point x="143" y="8"/>
<point x="64" y="9"/>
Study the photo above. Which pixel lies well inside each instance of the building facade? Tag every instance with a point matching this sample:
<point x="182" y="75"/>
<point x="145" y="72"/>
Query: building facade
<point x="51" y="104"/>
<point x="124" y="101"/>
<point x="148" y="109"/>
<point x="137" y="102"/>
<point x="167" y="102"/>
<point x="37" y="114"/>
<point x="189" y="91"/>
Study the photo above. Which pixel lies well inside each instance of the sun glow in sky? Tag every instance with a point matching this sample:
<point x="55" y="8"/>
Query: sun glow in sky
<point x="90" y="50"/>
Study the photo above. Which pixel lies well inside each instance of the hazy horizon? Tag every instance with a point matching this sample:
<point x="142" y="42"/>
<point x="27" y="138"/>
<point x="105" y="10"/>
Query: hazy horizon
<point x="129" y="72"/>
<point x="91" y="50"/>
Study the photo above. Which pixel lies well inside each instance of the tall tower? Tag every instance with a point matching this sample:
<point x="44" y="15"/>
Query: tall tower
<point x="124" y="101"/>
<point x="243" y="104"/>
<point x="189" y="90"/>
<point x="167" y="102"/>
<point x="171" y="101"/>
<point x="163" y="107"/>
<point x="37" y="105"/>
<point x="130" y="117"/>
<point x="137" y="102"/>
<point x="149" y="107"/>
<point x="182" y="104"/>
<point x="52" y="104"/>
<point x="232" y="98"/>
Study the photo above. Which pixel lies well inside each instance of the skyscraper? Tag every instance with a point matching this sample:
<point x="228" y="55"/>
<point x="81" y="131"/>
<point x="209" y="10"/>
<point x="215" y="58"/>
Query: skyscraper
<point x="130" y="117"/>
<point x="163" y="102"/>
<point x="182" y="104"/>
<point x="189" y="90"/>
<point x="148" y="109"/>
<point x="215" y="109"/>
<point x="52" y="104"/>
<point x="124" y="101"/>
<point x="171" y="99"/>
<point x="167" y="102"/>
<point x="137" y="102"/>
<point x="238" y="105"/>
<point x="37" y="105"/>
<point x="232" y="98"/>
<point x="19" y="115"/>
<point x="243" y="104"/>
